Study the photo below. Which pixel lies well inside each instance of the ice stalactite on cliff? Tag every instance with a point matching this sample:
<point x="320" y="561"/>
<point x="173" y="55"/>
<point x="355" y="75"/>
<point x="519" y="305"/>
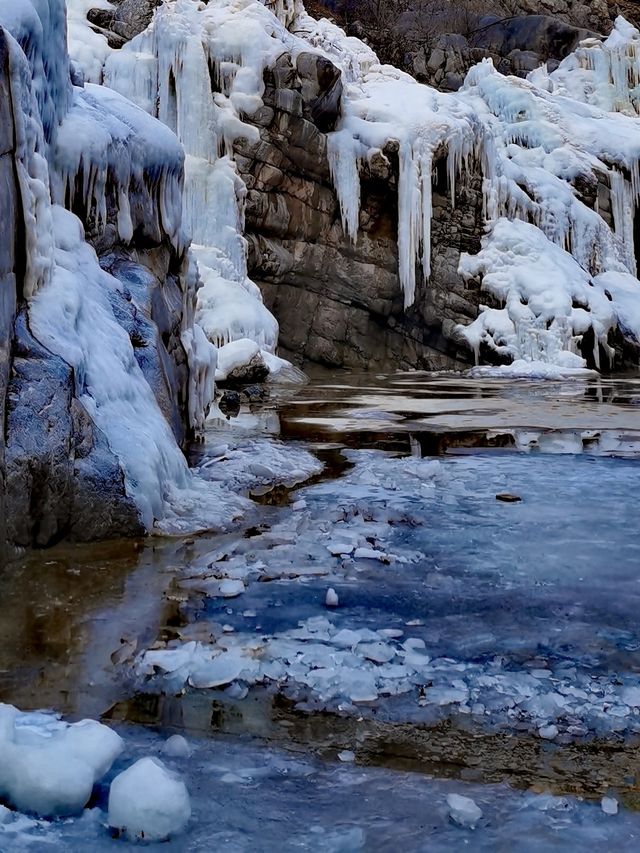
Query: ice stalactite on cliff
<point x="87" y="143"/>
<point x="535" y="141"/>
<point x="168" y="70"/>
<point x="545" y="146"/>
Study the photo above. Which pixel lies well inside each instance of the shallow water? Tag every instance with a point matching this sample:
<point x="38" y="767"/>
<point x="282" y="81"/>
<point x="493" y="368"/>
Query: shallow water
<point x="516" y="603"/>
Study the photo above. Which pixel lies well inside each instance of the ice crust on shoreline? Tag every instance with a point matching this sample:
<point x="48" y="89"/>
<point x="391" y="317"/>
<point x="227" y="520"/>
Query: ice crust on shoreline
<point x="243" y="791"/>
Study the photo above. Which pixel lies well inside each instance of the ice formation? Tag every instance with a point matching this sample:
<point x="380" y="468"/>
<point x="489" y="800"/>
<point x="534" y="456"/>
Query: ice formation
<point x="168" y="71"/>
<point x="76" y="145"/>
<point x="50" y="767"/>
<point x="533" y="140"/>
<point x="463" y="810"/>
<point x="539" y="323"/>
<point x="148" y="802"/>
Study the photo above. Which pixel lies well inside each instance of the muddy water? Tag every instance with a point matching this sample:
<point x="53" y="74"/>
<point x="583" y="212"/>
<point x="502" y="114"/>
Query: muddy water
<point x="74" y="616"/>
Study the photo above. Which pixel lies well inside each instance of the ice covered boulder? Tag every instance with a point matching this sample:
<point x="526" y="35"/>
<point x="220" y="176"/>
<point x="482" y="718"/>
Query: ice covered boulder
<point x="49" y="767"/>
<point x="148" y="802"/>
<point x="241" y="362"/>
<point x="177" y="746"/>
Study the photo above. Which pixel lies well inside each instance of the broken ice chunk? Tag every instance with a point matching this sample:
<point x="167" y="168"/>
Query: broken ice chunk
<point x="230" y="588"/>
<point x="377" y="652"/>
<point x="463" y="811"/>
<point x="548" y="732"/>
<point x="332" y="599"/>
<point x="609" y="805"/>
<point x="223" y="669"/>
<point x="147" y="802"/>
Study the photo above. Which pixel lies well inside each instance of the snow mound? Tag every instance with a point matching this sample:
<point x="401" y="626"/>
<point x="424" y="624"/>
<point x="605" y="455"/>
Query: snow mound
<point x="148" y="802"/>
<point x="49" y="767"/>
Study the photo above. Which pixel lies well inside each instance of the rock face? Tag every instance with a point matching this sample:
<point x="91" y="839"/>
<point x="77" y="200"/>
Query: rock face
<point x="124" y="20"/>
<point x="516" y="46"/>
<point x="11" y="261"/>
<point x="437" y="42"/>
<point x="340" y="304"/>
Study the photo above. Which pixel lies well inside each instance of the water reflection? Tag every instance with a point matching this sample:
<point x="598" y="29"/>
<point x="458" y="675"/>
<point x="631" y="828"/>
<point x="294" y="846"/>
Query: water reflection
<point x="66" y="611"/>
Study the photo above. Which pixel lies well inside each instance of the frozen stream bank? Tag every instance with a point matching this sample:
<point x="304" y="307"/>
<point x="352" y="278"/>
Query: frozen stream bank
<point x="476" y="639"/>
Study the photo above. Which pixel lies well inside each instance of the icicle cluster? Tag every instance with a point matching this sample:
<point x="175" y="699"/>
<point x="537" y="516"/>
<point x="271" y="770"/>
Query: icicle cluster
<point x="168" y="70"/>
<point x="535" y="141"/>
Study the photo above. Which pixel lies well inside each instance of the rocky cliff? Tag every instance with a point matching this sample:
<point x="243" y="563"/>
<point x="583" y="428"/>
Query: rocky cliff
<point x="338" y="303"/>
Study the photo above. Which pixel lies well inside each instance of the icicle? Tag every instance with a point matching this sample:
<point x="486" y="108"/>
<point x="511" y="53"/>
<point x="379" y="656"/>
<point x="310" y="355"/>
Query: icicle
<point x="344" y="162"/>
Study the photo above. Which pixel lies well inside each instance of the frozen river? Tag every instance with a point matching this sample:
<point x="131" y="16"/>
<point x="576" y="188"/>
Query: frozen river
<point x="434" y="591"/>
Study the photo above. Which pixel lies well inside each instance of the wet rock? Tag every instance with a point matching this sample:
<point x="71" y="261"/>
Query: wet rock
<point x="254" y="393"/>
<point x="507" y="498"/>
<point x="230" y="404"/>
<point x="255" y="370"/>
<point x="62" y="479"/>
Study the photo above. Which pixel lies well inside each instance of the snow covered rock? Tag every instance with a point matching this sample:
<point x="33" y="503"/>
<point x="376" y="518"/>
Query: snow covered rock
<point x="49" y="767"/>
<point x="147" y="802"/>
<point x="463" y="811"/>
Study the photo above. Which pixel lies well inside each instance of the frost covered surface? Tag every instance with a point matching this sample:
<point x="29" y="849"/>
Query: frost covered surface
<point x="484" y="640"/>
<point x="50" y="767"/>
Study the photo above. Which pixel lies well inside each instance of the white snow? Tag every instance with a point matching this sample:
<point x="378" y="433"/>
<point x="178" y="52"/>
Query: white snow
<point x="148" y="802"/>
<point x="609" y="805"/>
<point x="539" y="323"/>
<point x="49" y="767"/>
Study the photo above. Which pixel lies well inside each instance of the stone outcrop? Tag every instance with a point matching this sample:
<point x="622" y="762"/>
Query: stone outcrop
<point x="516" y="46"/>
<point x="437" y="42"/>
<point x="124" y="20"/>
